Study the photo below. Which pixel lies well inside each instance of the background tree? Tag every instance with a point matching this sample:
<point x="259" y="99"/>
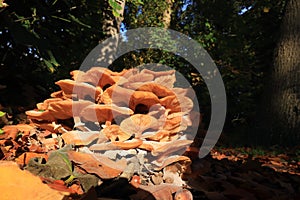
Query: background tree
<point x="41" y="43"/>
<point x="281" y="123"/>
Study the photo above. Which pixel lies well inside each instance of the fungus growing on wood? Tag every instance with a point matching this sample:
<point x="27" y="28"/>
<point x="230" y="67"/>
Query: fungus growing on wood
<point x="140" y="117"/>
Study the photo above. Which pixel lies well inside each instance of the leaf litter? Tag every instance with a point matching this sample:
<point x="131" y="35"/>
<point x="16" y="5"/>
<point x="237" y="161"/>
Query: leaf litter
<point x="133" y="149"/>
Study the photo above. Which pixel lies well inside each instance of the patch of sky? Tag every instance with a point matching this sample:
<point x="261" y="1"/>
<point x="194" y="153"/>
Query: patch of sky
<point x="245" y="9"/>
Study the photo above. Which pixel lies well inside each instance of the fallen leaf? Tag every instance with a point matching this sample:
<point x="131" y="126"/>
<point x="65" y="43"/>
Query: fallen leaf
<point x="24" y="158"/>
<point x="18" y="184"/>
<point x="163" y="191"/>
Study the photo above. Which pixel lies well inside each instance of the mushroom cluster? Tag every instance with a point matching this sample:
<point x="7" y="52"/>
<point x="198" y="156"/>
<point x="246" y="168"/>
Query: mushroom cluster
<point x="136" y="114"/>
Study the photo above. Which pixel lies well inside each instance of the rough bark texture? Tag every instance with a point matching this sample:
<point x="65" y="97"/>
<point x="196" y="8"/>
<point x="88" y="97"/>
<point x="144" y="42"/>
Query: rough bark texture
<point x="167" y="14"/>
<point x="111" y="26"/>
<point x="283" y="110"/>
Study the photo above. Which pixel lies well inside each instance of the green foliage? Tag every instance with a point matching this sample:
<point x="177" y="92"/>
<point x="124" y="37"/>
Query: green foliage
<point x="241" y="45"/>
<point x="41" y="43"/>
<point x="116" y="8"/>
<point x="2" y="114"/>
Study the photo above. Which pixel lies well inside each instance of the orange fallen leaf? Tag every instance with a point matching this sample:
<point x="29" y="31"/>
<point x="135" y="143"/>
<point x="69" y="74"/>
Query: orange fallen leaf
<point x="163" y="191"/>
<point x="24" y="158"/>
<point x="19" y="184"/>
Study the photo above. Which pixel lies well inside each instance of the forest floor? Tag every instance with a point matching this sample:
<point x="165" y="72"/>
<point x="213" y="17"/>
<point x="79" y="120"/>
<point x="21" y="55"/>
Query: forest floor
<point x="247" y="173"/>
<point x="226" y="173"/>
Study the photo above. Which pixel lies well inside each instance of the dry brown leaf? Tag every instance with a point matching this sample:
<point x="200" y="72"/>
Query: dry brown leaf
<point x="11" y="131"/>
<point x="19" y="184"/>
<point x="103" y="167"/>
<point x="24" y="158"/>
<point x="163" y="191"/>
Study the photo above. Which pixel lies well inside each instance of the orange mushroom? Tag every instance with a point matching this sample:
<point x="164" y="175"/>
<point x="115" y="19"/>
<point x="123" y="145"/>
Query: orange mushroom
<point x="97" y="76"/>
<point x="137" y="124"/>
<point x="158" y="90"/>
<point x="103" y="113"/>
<point x="79" y="89"/>
<point x="157" y="74"/>
<point x="114" y="133"/>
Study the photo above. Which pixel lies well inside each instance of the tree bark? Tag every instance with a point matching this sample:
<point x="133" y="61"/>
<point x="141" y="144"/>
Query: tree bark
<point x="111" y="25"/>
<point x="283" y="107"/>
<point x="167" y="15"/>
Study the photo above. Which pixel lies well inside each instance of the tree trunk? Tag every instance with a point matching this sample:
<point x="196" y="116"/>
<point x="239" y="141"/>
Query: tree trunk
<point x="283" y="109"/>
<point x="167" y="14"/>
<point x="111" y="25"/>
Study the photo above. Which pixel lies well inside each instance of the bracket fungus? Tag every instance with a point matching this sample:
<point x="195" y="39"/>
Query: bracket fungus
<point x="141" y="118"/>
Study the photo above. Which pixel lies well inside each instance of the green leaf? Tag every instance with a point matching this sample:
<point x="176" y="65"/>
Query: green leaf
<point x="60" y="18"/>
<point x="49" y="66"/>
<point x="2" y="114"/>
<point x="1" y="131"/>
<point x="78" y="21"/>
<point x="52" y="58"/>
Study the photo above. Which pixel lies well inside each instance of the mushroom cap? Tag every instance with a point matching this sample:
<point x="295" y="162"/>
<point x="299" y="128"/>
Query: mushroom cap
<point x="79" y="89"/>
<point x="97" y="76"/>
<point x="137" y="124"/>
<point x="103" y="113"/>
